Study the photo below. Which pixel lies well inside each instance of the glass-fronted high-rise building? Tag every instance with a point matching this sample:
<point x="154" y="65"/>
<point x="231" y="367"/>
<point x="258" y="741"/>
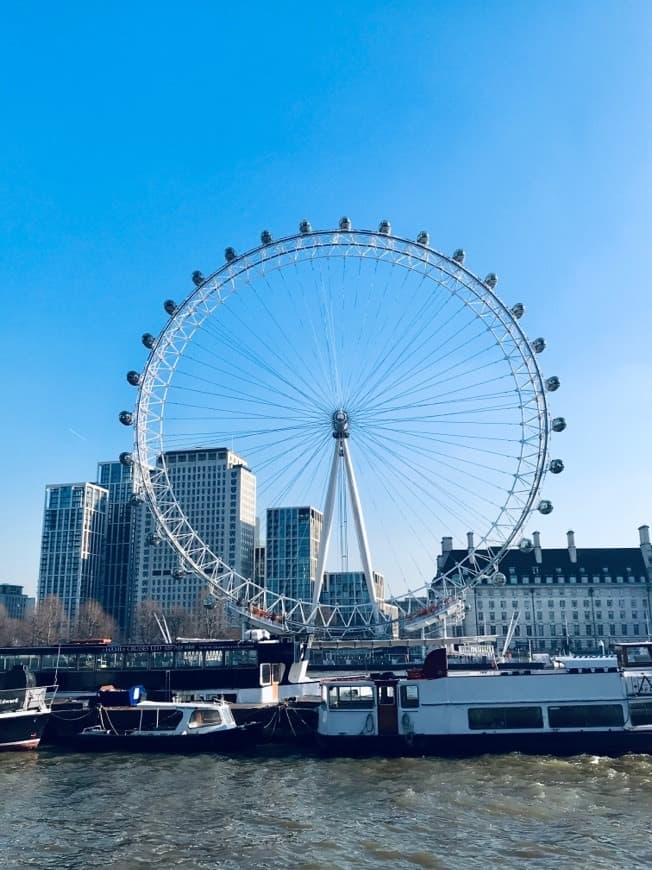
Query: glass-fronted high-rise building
<point x="118" y="480"/>
<point x="292" y="550"/>
<point x="72" y="545"/>
<point x="349" y="588"/>
<point x="217" y="492"/>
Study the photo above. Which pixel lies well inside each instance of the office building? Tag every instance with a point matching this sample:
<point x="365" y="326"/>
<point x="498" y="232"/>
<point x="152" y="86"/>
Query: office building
<point x="74" y="525"/>
<point x="118" y="480"/>
<point x="16" y="603"/>
<point x="291" y="551"/>
<point x="349" y="588"/>
<point x="217" y="492"/>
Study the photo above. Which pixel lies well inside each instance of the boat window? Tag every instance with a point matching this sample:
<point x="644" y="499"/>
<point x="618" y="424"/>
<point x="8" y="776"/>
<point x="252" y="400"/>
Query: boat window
<point x="277" y="672"/>
<point x="641" y="714"/>
<point x="159" y="720"/>
<point x="502" y="718"/>
<point x="204" y="717"/>
<point x="409" y="696"/>
<point x="241" y="658"/>
<point x="64" y="661"/>
<point x="189" y="658"/>
<point x="168" y="719"/>
<point x="86" y="662"/>
<point x="265" y="675"/>
<point x="31" y="662"/>
<point x="350" y="697"/>
<point x="163" y="659"/>
<point x="386" y="695"/>
<point x="586" y="715"/>
<point x="49" y="661"/>
<point x="638" y="655"/>
<point x="106" y="661"/>
<point x="214" y="658"/>
<point x="137" y="660"/>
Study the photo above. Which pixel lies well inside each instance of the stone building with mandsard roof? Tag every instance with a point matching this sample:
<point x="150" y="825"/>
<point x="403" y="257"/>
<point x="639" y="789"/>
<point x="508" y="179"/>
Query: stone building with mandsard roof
<point x="573" y="599"/>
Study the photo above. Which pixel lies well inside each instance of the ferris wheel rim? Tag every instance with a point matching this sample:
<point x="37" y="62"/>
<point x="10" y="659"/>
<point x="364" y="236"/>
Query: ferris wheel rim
<point x="171" y="516"/>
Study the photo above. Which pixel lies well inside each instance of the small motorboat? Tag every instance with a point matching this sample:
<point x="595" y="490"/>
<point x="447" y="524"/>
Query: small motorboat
<point x="24" y="709"/>
<point x="166" y="726"/>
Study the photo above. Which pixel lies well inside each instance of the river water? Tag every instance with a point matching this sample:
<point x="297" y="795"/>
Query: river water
<point x="126" y="811"/>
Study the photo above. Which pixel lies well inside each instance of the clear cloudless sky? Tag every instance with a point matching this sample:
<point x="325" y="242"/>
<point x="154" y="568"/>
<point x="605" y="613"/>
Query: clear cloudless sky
<point x="137" y="140"/>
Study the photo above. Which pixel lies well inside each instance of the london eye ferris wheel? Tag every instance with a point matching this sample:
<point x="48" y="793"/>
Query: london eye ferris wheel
<point x="371" y="377"/>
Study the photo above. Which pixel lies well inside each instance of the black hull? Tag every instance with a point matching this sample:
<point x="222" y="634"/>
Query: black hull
<point x="605" y="743"/>
<point x="238" y="739"/>
<point x="22" y="730"/>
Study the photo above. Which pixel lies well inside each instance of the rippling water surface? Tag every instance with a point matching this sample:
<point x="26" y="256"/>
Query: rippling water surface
<point x="126" y="811"/>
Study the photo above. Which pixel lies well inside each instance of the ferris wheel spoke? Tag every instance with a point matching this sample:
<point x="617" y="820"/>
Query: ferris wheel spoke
<point x="376" y="461"/>
<point x="417" y="448"/>
<point x="277" y="477"/>
<point x="418" y="476"/>
<point x="432" y="495"/>
<point x="306" y="319"/>
<point x="399" y="348"/>
<point x="445" y="398"/>
<point x="250" y="400"/>
<point x="412" y="353"/>
<point x="403" y="386"/>
<point x="459" y="444"/>
<point x="367" y="371"/>
<point x="408" y="514"/>
<point x="299" y="474"/>
<point x="435" y="376"/>
<point x="296" y="383"/>
<point x="321" y="374"/>
<point x="236" y="374"/>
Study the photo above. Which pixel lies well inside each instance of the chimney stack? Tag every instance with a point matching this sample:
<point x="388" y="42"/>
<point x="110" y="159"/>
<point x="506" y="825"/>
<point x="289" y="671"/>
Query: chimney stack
<point x="538" y="555"/>
<point x="446" y="547"/>
<point x="469" y="541"/>
<point x="572" y="549"/>
<point x="646" y="548"/>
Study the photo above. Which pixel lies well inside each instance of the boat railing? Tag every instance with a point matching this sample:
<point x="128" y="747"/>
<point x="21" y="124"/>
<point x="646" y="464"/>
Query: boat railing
<point x="41" y="696"/>
<point x="27" y="696"/>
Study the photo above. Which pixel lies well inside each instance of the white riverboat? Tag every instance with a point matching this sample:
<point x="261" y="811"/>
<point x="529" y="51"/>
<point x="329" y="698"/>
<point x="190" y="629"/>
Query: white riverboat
<point x="602" y="709"/>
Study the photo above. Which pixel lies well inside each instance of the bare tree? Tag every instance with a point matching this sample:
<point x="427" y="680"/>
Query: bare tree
<point x="12" y="631"/>
<point x="48" y="624"/>
<point x="144" y="628"/>
<point x="93" y="621"/>
<point x="215" y="617"/>
<point x="180" y="622"/>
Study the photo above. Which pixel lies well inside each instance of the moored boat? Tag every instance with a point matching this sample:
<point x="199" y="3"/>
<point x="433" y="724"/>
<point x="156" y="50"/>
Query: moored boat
<point x="165" y="726"/>
<point x="598" y="709"/>
<point x="24" y="709"/>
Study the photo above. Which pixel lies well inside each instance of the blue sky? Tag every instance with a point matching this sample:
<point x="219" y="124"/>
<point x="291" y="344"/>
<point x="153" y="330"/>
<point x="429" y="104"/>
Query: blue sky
<point x="138" y="140"/>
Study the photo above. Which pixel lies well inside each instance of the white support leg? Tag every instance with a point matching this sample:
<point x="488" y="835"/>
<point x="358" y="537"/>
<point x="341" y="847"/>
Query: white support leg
<point x="363" y="544"/>
<point x="327" y="525"/>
